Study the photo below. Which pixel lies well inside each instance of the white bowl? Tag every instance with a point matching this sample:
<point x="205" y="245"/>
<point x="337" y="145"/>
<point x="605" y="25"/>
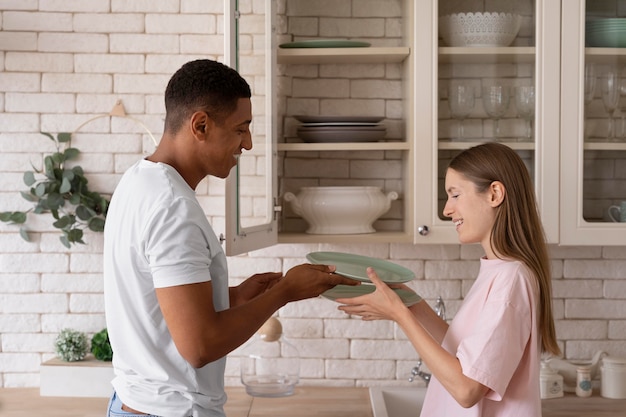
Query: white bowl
<point x="479" y="29"/>
<point x="340" y="210"/>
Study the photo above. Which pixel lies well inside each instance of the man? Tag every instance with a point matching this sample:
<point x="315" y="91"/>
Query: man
<point x="171" y="316"/>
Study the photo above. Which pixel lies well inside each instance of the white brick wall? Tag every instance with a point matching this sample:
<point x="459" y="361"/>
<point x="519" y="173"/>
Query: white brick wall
<point x="62" y="65"/>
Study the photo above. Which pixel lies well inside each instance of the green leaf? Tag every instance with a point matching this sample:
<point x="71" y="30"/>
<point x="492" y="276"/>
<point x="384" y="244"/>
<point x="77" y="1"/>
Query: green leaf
<point x="58" y="158"/>
<point x="75" y="235"/>
<point x="65" y="242"/>
<point x="5" y="216"/>
<point x="71" y="153"/>
<point x="69" y="174"/>
<point x="75" y="199"/>
<point x="48" y="164"/>
<point x="54" y="201"/>
<point x="84" y="212"/>
<point x="66" y="186"/>
<point x="96" y="224"/>
<point x="63" y="222"/>
<point x="24" y="234"/>
<point x="50" y="136"/>
<point x="78" y="170"/>
<point x="18" y="217"/>
<point x="28" y="197"/>
<point x="29" y="178"/>
<point x="40" y="189"/>
<point x="64" y="137"/>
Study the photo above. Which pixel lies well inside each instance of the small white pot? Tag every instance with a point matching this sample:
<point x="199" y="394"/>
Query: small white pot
<point x="340" y="210"/>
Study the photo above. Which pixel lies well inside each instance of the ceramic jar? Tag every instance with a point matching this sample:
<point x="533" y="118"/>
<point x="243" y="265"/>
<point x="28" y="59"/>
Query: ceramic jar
<point x="613" y="376"/>
<point x="551" y="383"/>
<point x="340" y="210"/>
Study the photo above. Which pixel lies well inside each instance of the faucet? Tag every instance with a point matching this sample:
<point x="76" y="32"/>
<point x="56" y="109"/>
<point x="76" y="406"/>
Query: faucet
<point x="416" y="371"/>
<point x="440" y="310"/>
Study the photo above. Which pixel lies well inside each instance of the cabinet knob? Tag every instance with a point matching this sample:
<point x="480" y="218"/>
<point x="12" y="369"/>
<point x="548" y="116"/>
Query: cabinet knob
<point x="423" y="230"/>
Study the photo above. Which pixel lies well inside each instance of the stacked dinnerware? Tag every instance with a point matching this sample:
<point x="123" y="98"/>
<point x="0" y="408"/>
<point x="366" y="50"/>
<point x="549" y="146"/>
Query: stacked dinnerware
<point x="335" y="129"/>
<point x="606" y="33"/>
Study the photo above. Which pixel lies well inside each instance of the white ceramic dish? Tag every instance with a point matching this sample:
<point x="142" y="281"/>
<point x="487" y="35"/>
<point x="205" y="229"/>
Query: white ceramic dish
<point x="340" y="210"/>
<point x="479" y="29"/>
<point x="350" y="291"/>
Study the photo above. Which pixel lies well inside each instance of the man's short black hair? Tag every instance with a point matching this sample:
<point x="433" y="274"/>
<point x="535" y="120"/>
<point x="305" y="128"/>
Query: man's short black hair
<point x="203" y="85"/>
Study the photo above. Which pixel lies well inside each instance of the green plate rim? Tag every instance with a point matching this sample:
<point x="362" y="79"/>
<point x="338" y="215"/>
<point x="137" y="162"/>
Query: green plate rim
<point x="325" y="43"/>
<point x="331" y="258"/>
<point x="409" y="298"/>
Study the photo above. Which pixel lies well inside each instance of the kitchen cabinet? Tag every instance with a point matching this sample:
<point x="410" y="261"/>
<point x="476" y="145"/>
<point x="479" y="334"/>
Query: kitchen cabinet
<point x="593" y="164"/>
<point x="548" y="54"/>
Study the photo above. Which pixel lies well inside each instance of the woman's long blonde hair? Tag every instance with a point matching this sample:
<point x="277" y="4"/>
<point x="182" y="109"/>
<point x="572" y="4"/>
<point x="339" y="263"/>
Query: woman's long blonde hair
<point x="517" y="232"/>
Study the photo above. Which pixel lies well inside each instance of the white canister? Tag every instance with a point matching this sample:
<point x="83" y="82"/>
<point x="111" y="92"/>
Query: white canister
<point x="613" y="378"/>
<point x="551" y="383"/>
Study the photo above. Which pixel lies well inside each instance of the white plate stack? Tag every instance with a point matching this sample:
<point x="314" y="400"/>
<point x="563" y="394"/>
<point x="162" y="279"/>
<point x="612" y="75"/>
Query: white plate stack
<point x="335" y="129"/>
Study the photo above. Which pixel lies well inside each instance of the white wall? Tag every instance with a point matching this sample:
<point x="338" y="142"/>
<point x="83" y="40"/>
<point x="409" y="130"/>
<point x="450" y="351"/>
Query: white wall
<point x="64" y="62"/>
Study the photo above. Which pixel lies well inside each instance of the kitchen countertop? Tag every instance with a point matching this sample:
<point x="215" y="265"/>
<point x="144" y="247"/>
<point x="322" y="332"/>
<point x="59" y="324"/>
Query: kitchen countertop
<point x="306" y="402"/>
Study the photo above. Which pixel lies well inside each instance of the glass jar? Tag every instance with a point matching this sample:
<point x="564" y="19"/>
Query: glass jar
<point x="270" y="365"/>
<point x="583" y="381"/>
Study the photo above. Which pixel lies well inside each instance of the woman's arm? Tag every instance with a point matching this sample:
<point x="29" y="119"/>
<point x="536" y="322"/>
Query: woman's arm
<point x="425" y="330"/>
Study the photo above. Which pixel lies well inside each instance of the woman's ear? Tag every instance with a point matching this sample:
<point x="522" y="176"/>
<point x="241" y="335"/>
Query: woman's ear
<point x="497" y="193"/>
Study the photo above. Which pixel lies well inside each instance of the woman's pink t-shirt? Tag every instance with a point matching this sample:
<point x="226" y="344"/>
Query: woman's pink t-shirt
<point x="495" y="337"/>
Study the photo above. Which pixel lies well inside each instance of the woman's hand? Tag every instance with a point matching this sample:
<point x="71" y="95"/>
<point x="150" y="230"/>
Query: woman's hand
<point x="382" y="304"/>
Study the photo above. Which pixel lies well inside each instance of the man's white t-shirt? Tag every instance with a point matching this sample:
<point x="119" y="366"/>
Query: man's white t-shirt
<point x="157" y="235"/>
<point x="495" y="337"/>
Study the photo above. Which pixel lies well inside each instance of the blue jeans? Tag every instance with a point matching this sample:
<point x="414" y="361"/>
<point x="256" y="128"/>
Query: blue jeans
<point x="115" y="409"/>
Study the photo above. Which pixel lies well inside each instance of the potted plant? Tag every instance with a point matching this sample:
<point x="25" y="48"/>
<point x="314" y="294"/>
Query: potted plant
<point x="63" y="192"/>
<point x="71" y="345"/>
<point x="101" y="346"/>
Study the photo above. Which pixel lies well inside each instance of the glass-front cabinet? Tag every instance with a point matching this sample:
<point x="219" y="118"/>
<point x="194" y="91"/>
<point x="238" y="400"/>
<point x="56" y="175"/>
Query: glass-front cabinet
<point x="593" y="123"/>
<point x="494" y="78"/>
<point x="380" y="95"/>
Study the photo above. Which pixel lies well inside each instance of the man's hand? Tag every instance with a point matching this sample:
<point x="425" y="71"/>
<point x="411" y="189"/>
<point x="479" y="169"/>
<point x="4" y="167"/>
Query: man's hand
<point x="308" y="281"/>
<point x="253" y="286"/>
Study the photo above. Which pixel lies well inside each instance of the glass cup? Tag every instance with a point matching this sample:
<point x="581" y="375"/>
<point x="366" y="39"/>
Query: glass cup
<point x="496" y="98"/>
<point x="525" y="104"/>
<point x="461" y="101"/>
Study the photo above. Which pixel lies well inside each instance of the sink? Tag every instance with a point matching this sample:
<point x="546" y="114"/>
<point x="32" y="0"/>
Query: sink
<point x="397" y="401"/>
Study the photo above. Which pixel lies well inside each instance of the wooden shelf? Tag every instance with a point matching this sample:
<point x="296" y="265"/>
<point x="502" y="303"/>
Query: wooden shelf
<point x="487" y="55"/>
<point x="345" y="146"/>
<point x="378" y="237"/>
<point x="342" y="55"/>
<point x="453" y="146"/>
<point x="605" y="146"/>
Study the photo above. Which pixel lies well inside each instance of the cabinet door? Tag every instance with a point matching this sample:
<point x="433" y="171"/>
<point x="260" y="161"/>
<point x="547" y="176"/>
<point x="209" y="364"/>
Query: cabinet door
<point x="593" y="150"/>
<point x="529" y="63"/>
<point x="251" y="186"/>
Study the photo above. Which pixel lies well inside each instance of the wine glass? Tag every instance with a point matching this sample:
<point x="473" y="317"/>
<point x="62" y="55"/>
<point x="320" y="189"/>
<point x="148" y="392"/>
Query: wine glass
<point x="525" y="104"/>
<point x="590" y="82"/>
<point x="590" y="88"/>
<point x="461" y="102"/>
<point x="609" y="86"/>
<point x="496" y="100"/>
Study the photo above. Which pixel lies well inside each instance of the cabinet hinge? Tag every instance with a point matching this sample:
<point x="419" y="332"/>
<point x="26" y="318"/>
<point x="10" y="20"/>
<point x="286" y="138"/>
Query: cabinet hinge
<point x="277" y="208"/>
<point x="237" y="14"/>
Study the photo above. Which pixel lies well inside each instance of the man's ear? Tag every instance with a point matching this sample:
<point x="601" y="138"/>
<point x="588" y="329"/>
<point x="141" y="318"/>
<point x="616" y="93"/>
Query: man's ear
<point x="497" y="193"/>
<point x="200" y="124"/>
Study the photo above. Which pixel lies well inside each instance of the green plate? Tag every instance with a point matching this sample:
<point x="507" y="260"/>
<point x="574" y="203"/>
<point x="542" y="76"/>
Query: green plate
<point x="325" y="43"/>
<point x="348" y="291"/>
<point x="355" y="266"/>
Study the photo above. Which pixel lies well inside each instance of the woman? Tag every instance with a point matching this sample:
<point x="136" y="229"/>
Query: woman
<point x="486" y="362"/>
